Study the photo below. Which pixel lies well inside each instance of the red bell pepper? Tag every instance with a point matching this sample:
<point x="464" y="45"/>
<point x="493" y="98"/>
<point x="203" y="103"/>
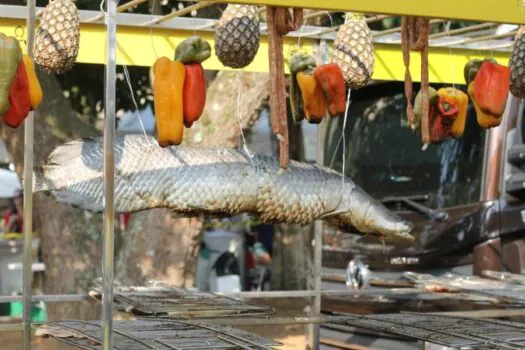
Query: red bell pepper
<point x="19" y="99"/>
<point x="194" y="95"/>
<point x="491" y="88"/>
<point x="332" y="82"/>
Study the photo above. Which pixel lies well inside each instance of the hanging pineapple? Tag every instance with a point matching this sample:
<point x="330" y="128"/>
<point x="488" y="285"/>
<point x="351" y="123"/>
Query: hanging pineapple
<point x="57" y="38"/>
<point x="517" y="65"/>
<point x="237" y="36"/>
<point x="354" y="51"/>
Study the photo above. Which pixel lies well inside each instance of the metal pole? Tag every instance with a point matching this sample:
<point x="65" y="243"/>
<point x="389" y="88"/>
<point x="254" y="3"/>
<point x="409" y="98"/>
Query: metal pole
<point x="318" y="227"/>
<point x="109" y="174"/>
<point x="29" y="126"/>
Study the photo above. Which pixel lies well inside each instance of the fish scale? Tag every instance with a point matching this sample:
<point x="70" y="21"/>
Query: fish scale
<point x="213" y="181"/>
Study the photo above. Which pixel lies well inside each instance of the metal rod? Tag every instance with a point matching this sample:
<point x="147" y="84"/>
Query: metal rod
<point x="58" y="298"/>
<point x="483" y="313"/>
<point x="336" y="28"/>
<point x="318" y="227"/>
<point x="109" y="174"/>
<point x="29" y="126"/>
<point x="480" y="38"/>
<point x="65" y="298"/>
<point x="497" y="47"/>
<point x="179" y="13"/>
<point x="461" y="30"/>
<point x="271" y="294"/>
<point x="121" y="8"/>
<point x="398" y="29"/>
<point x="256" y="321"/>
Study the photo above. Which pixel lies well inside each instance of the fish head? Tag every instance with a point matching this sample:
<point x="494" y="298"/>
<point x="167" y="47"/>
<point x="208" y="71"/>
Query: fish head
<point x="359" y="211"/>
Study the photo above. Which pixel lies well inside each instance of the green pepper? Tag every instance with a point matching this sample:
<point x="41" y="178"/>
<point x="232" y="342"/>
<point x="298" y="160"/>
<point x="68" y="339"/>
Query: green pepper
<point x="193" y="50"/>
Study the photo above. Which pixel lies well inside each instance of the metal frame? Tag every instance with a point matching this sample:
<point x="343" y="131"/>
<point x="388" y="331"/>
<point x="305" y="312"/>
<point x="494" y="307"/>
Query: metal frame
<point x="504" y="11"/>
<point x="29" y="125"/>
<point x="448" y="52"/>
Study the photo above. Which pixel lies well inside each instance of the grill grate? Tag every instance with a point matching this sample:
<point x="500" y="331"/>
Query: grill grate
<point x="455" y="332"/>
<point x="155" y="335"/>
<point x="168" y="301"/>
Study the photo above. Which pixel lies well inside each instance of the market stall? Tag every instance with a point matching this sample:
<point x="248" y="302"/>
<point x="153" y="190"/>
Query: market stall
<point x="323" y="76"/>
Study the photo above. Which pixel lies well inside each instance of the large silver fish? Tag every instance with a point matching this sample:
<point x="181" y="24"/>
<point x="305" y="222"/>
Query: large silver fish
<point x="193" y="181"/>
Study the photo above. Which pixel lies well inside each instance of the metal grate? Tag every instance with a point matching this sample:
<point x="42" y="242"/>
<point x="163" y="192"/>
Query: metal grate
<point x="154" y="335"/>
<point x="168" y="301"/>
<point x="455" y="332"/>
<point x="506" y="292"/>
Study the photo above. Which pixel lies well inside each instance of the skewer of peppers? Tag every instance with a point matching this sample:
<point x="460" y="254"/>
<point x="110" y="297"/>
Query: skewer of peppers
<point x="313" y="97"/>
<point x="488" y="87"/>
<point x="180" y="90"/>
<point x="192" y="52"/>
<point x="20" y="90"/>
<point x="298" y="63"/>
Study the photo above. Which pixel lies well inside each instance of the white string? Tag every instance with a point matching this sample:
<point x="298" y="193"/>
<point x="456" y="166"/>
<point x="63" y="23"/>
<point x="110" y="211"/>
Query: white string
<point x="239" y="116"/>
<point x="301" y="33"/>
<point x="151" y="32"/>
<point x="453" y="68"/>
<point x="331" y="23"/>
<point x="344" y="134"/>
<point x="128" y="80"/>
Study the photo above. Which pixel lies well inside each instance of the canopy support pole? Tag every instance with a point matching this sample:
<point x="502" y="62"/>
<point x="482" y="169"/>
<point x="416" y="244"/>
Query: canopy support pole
<point x="109" y="174"/>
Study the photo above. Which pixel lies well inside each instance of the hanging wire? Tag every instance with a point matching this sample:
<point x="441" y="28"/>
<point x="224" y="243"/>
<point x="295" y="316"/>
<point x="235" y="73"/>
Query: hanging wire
<point x="151" y="32"/>
<point x="453" y="68"/>
<point x="301" y="32"/>
<point x="249" y="153"/>
<point x="344" y="135"/>
<point x="128" y="81"/>
<point x="137" y="111"/>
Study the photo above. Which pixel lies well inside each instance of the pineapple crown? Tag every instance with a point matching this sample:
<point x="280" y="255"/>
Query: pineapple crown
<point x="354" y="16"/>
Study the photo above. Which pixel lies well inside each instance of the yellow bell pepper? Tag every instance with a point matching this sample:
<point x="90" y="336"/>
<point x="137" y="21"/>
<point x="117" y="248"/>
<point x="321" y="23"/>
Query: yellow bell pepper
<point x="485" y="119"/>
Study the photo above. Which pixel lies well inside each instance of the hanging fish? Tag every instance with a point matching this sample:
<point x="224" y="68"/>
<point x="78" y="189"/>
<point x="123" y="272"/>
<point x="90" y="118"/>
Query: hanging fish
<point x="195" y="181"/>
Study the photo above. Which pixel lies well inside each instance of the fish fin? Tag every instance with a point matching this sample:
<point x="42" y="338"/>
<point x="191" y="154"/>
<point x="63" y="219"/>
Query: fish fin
<point x="332" y="208"/>
<point x="40" y="184"/>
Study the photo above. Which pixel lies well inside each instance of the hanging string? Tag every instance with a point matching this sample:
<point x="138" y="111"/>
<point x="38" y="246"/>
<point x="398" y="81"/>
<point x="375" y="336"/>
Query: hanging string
<point x="344" y="136"/>
<point x="193" y="15"/>
<point x="137" y="111"/>
<point x="301" y="32"/>
<point x="151" y="32"/>
<point x="128" y="81"/>
<point x="453" y="68"/>
<point x="240" y="78"/>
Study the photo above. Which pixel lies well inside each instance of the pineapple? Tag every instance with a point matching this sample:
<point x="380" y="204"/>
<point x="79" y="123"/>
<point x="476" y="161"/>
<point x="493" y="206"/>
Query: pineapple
<point x="237" y="35"/>
<point x="57" y="38"/>
<point x="354" y="51"/>
<point x="517" y="65"/>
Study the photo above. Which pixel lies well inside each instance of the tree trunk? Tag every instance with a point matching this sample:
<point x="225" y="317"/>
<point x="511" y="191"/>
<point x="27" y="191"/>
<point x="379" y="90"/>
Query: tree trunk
<point x="168" y="246"/>
<point x="71" y="238"/>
